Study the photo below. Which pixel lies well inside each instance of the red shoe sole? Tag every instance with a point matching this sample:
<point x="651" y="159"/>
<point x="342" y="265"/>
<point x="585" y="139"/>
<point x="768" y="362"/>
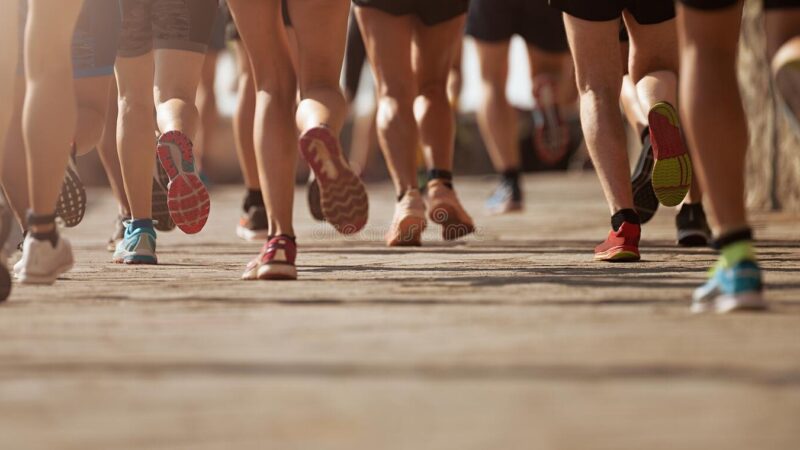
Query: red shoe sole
<point x="342" y="195"/>
<point x="187" y="197"/>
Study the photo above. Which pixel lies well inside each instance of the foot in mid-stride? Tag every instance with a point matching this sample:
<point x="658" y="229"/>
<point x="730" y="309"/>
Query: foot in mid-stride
<point x="734" y="283"/>
<point x="408" y="222"/>
<point x="672" y="170"/>
<point x="138" y="246"/>
<point x="445" y="209"/>
<point x="622" y="244"/>
<point x="44" y="260"/>
<point x="275" y="262"/>
<point x="507" y="196"/>
<point x="187" y="197"/>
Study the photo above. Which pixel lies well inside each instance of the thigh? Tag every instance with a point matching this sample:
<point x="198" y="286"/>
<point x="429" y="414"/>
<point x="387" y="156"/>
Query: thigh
<point x="652" y="47"/>
<point x="92" y="93"/>
<point x="135" y="78"/>
<point x="177" y="74"/>
<point x="434" y="50"/>
<point x="595" y="51"/>
<point x="387" y="39"/>
<point x="136" y="30"/>
<point x="781" y="25"/>
<point x="320" y="27"/>
<point x="183" y="24"/>
<point x="717" y="33"/>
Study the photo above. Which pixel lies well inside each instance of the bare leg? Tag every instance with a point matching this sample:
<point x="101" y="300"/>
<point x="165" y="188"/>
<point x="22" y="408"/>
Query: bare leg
<point x="434" y="50"/>
<point x="496" y="117"/>
<point x="50" y="99"/>
<point x="107" y="150"/>
<point x="263" y="35"/>
<point x="135" y="125"/>
<point x="243" y="119"/>
<point x="599" y="84"/>
<point x="632" y="107"/>
<point x="783" y="47"/>
<point x="15" y="175"/>
<point x="8" y="63"/>
<point x="712" y="112"/>
<point x="388" y="42"/>
<point x="206" y="103"/>
<point x="92" y="98"/>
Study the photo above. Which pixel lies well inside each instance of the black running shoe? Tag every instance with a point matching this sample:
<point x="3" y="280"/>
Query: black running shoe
<point x="693" y="230"/>
<point x="644" y="197"/>
<point x="254" y="224"/>
<point x="71" y="206"/>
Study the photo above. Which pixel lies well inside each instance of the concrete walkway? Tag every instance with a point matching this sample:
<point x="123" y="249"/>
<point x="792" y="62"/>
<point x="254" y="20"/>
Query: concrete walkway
<point x="513" y="339"/>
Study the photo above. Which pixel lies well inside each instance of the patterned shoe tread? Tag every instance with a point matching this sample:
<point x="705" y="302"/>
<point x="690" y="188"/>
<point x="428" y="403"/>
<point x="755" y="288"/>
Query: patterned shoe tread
<point x="71" y="205"/>
<point x="187" y="197"/>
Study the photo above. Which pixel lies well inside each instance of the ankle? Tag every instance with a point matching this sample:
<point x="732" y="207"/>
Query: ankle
<point x="625" y="215"/>
<point x="42" y="227"/>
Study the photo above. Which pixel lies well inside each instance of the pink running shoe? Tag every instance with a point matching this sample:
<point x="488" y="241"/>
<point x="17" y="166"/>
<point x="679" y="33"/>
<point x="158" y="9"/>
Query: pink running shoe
<point x="187" y="197"/>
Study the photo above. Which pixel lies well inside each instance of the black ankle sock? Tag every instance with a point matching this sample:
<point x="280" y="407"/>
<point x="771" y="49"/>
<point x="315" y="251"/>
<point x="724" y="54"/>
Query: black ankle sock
<point x="445" y="175"/>
<point x="141" y="223"/>
<point x="624" y="215"/>
<point x="696" y="208"/>
<point x="511" y="176"/>
<point x="253" y="198"/>
<point x="732" y="238"/>
<point x="47" y="219"/>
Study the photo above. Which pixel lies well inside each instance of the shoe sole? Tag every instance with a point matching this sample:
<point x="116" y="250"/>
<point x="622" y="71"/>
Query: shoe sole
<point x="618" y="254"/>
<point x="343" y="197"/>
<point x="314" y="201"/>
<point x="71" y="205"/>
<point x="693" y="238"/>
<point x="137" y="261"/>
<point x="249" y="235"/>
<point x="410" y="232"/>
<point x="277" y="272"/>
<point x="187" y="196"/>
<point x="42" y="279"/>
<point x="160" y="206"/>
<point x="672" y="170"/>
<point x="508" y="208"/>
<point x="724" y="304"/>
<point x="447" y="217"/>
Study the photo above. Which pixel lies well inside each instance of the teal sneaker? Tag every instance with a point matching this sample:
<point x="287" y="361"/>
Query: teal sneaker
<point x="731" y="288"/>
<point x="138" y="246"/>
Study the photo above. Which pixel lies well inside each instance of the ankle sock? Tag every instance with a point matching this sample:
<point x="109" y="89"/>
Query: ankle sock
<point x="253" y="198"/>
<point x="141" y="223"/>
<point x="624" y="215"/>
<point x="46" y="219"/>
<point x="445" y="175"/>
<point x="511" y="176"/>
<point x="51" y="236"/>
<point x="735" y="247"/>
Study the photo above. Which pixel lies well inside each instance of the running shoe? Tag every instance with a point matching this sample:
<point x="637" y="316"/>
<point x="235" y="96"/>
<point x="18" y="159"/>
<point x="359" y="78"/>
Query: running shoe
<point x="342" y="195"/>
<point x="644" y="198"/>
<point x="736" y="287"/>
<point x="314" y="199"/>
<point x="118" y="234"/>
<point x="253" y="225"/>
<point x="506" y="198"/>
<point x="621" y="245"/>
<point x="445" y="209"/>
<point x="138" y="246"/>
<point x="187" y="197"/>
<point x="275" y="262"/>
<point x="160" y="208"/>
<point x="692" y="226"/>
<point x="551" y="133"/>
<point x="672" y="170"/>
<point x="6" y="223"/>
<point x="43" y="263"/>
<point x="71" y="206"/>
<point x="408" y="222"/>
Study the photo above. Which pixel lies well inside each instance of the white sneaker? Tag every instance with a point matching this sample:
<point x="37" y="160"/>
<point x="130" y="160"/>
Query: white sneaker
<point x="42" y="263"/>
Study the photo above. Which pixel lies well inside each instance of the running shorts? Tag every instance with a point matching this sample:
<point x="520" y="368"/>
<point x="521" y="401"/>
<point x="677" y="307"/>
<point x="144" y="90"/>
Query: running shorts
<point x="165" y="24"/>
<point x="430" y="12"/>
<point x="645" y="12"/>
<point x="533" y="20"/>
<point x="719" y="4"/>
<point x="94" y="41"/>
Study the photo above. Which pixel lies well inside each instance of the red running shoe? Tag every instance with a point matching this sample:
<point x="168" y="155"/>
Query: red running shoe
<point x="621" y="245"/>
<point x="187" y="197"/>
<point x="276" y="261"/>
<point x="342" y="195"/>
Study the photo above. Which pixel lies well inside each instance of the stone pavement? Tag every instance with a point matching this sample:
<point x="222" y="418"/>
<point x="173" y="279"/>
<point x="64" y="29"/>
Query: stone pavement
<point x="512" y="339"/>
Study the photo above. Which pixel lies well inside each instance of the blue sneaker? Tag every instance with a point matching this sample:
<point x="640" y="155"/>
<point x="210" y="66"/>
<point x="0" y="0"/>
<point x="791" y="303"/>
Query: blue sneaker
<point x="729" y="289"/>
<point x="138" y="246"/>
<point x="506" y="198"/>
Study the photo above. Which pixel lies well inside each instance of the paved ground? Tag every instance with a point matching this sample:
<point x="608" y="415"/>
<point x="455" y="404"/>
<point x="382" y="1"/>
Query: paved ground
<point x="513" y="339"/>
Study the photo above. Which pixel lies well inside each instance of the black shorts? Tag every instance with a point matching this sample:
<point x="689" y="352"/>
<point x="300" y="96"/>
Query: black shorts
<point x="533" y="20"/>
<point x="719" y="4"/>
<point x="645" y="12"/>
<point x="430" y="12"/>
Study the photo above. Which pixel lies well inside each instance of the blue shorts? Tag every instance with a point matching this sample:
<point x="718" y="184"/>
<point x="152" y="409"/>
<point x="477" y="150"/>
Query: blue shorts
<point x="94" y="42"/>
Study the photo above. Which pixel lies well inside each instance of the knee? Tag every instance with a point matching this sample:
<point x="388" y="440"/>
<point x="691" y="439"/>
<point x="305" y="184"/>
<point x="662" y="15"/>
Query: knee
<point x="393" y="110"/>
<point x="434" y="90"/>
<point x="133" y="104"/>
<point x="639" y="68"/>
<point x="493" y="91"/>
<point x="183" y="93"/>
